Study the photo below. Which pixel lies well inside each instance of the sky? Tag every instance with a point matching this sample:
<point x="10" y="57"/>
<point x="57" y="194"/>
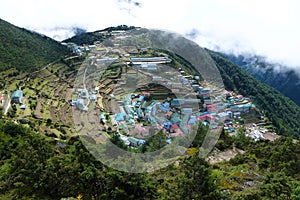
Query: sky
<point x="265" y="27"/>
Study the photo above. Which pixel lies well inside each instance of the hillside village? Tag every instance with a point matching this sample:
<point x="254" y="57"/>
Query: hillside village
<point x="135" y="115"/>
<point x="141" y="99"/>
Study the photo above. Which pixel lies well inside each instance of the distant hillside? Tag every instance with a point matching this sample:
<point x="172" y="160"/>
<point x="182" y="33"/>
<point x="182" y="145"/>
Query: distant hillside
<point x="283" y="112"/>
<point x="287" y="81"/>
<point x="26" y="50"/>
<point x="91" y="37"/>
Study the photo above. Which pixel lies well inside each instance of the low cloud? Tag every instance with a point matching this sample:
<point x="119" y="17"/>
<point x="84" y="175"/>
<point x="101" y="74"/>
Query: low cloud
<point x="268" y="28"/>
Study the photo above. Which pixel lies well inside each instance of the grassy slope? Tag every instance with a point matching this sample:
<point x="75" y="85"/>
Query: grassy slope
<point x="26" y="50"/>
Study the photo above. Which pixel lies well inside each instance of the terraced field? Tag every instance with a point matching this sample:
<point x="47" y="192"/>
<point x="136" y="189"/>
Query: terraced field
<point x="46" y="93"/>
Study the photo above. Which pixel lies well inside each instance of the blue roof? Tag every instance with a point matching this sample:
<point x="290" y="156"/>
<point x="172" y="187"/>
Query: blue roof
<point x="101" y="116"/>
<point x="139" y="112"/>
<point x="93" y="97"/>
<point x="120" y="117"/>
<point x="192" y="121"/>
<point x="80" y="102"/>
<point x="141" y="98"/>
<point x="169" y="140"/>
<point x="141" y="142"/>
<point x="17" y="94"/>
<point x="149" y="59"/>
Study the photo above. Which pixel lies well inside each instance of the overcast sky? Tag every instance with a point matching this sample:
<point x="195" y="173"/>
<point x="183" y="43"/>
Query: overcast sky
<point x="266" y="27"/>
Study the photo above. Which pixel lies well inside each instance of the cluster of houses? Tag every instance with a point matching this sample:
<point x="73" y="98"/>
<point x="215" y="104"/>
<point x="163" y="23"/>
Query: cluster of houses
<point x="84" y="97"/>
<point x="174" y="115"/>
<point x="79" y="50"/>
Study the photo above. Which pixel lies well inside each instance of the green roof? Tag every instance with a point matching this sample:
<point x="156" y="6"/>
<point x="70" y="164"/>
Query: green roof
<point x="133" y="140"/>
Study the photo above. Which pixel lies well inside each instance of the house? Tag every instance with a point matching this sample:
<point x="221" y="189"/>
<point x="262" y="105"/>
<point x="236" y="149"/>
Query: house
<point x="176" y="85"/>
<point x="174" y="127"/>
<point x="141" y="98"/>
<point x="17" y="96"/>
<point x="1" y="99"/>
<point x="206" y="117"/>
<point x="165" y="106"/>
<point x="168" y="125"/>
<point x="124" y="139"/>
<point x="169" y="140"/>
<point x="241" y="108"/>
<point x="146" y="94"/>
<point x="184" y="80"/>
<point x="136" y="142"/>
<point x="101" y="116"/>
<point x="193" y="120"/>
<point x="23" y="106"/>
<point x="151" y="59"/>
<point x="175" y="118"/>
<point x="195" y="87"/>
<point x="169" y="114"/>
<point x="72" y="102"/>
<point x="92" y="97"/>
<point x="133" y="141"/>
<point x="157" y="78"/>
<point x="187" y="111"/>
<point x="222" y="115"/>
<point x="120" y="117"/>
<point x="175" y="103"/>
<point x="80" y="104"/>
<point x="140" y="113"/>
<point x="84" y="94"/>
<point x="152" y="67"/>
<point x="92" y="47"/>
<point x="144" y="104"/>
<point x="151" y="119"/>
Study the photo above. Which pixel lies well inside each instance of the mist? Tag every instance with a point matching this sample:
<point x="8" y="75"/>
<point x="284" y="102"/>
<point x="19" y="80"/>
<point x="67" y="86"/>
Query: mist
<point x="267" y="28"/>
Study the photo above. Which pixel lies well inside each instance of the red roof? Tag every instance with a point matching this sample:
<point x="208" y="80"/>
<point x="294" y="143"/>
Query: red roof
<point x="206" y="116"/>
<point x="175" y="126"/>
<point x="1" y="98"/>
<point x="145" y="93"/>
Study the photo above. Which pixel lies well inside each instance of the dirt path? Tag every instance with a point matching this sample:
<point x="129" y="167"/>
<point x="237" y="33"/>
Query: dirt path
<point x="7" y="104"/>
<point x="217" y="156"/>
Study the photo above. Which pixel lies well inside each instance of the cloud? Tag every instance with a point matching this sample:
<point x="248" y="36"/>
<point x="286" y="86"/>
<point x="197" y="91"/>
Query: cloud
<point x="269" y="28"/>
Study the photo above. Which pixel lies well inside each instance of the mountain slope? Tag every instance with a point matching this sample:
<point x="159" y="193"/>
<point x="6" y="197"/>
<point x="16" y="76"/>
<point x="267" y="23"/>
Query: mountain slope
<point x="26" y="50"/>
<point x="91" y="37"/>
<point x="285" y="81"/>
<point x="283" y="112"/>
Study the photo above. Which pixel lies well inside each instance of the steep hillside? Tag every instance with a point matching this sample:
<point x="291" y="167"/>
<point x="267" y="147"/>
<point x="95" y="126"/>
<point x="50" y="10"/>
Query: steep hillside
<point x="286" y="81"/>
<point x="283" y="112"/>
<point x="26" y="50"/>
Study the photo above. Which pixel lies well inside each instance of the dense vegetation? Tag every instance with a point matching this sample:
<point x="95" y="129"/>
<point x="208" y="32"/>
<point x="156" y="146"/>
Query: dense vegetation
<point x="286" y="81"/>
<point x="36" y="167"/>
<point x="283" y="112"/>
<point x="26" y="50"/>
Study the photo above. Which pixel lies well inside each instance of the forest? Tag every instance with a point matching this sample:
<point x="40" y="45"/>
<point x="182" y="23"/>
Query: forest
<point x="27" y="50"/>
<point x="34" y="166"/>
